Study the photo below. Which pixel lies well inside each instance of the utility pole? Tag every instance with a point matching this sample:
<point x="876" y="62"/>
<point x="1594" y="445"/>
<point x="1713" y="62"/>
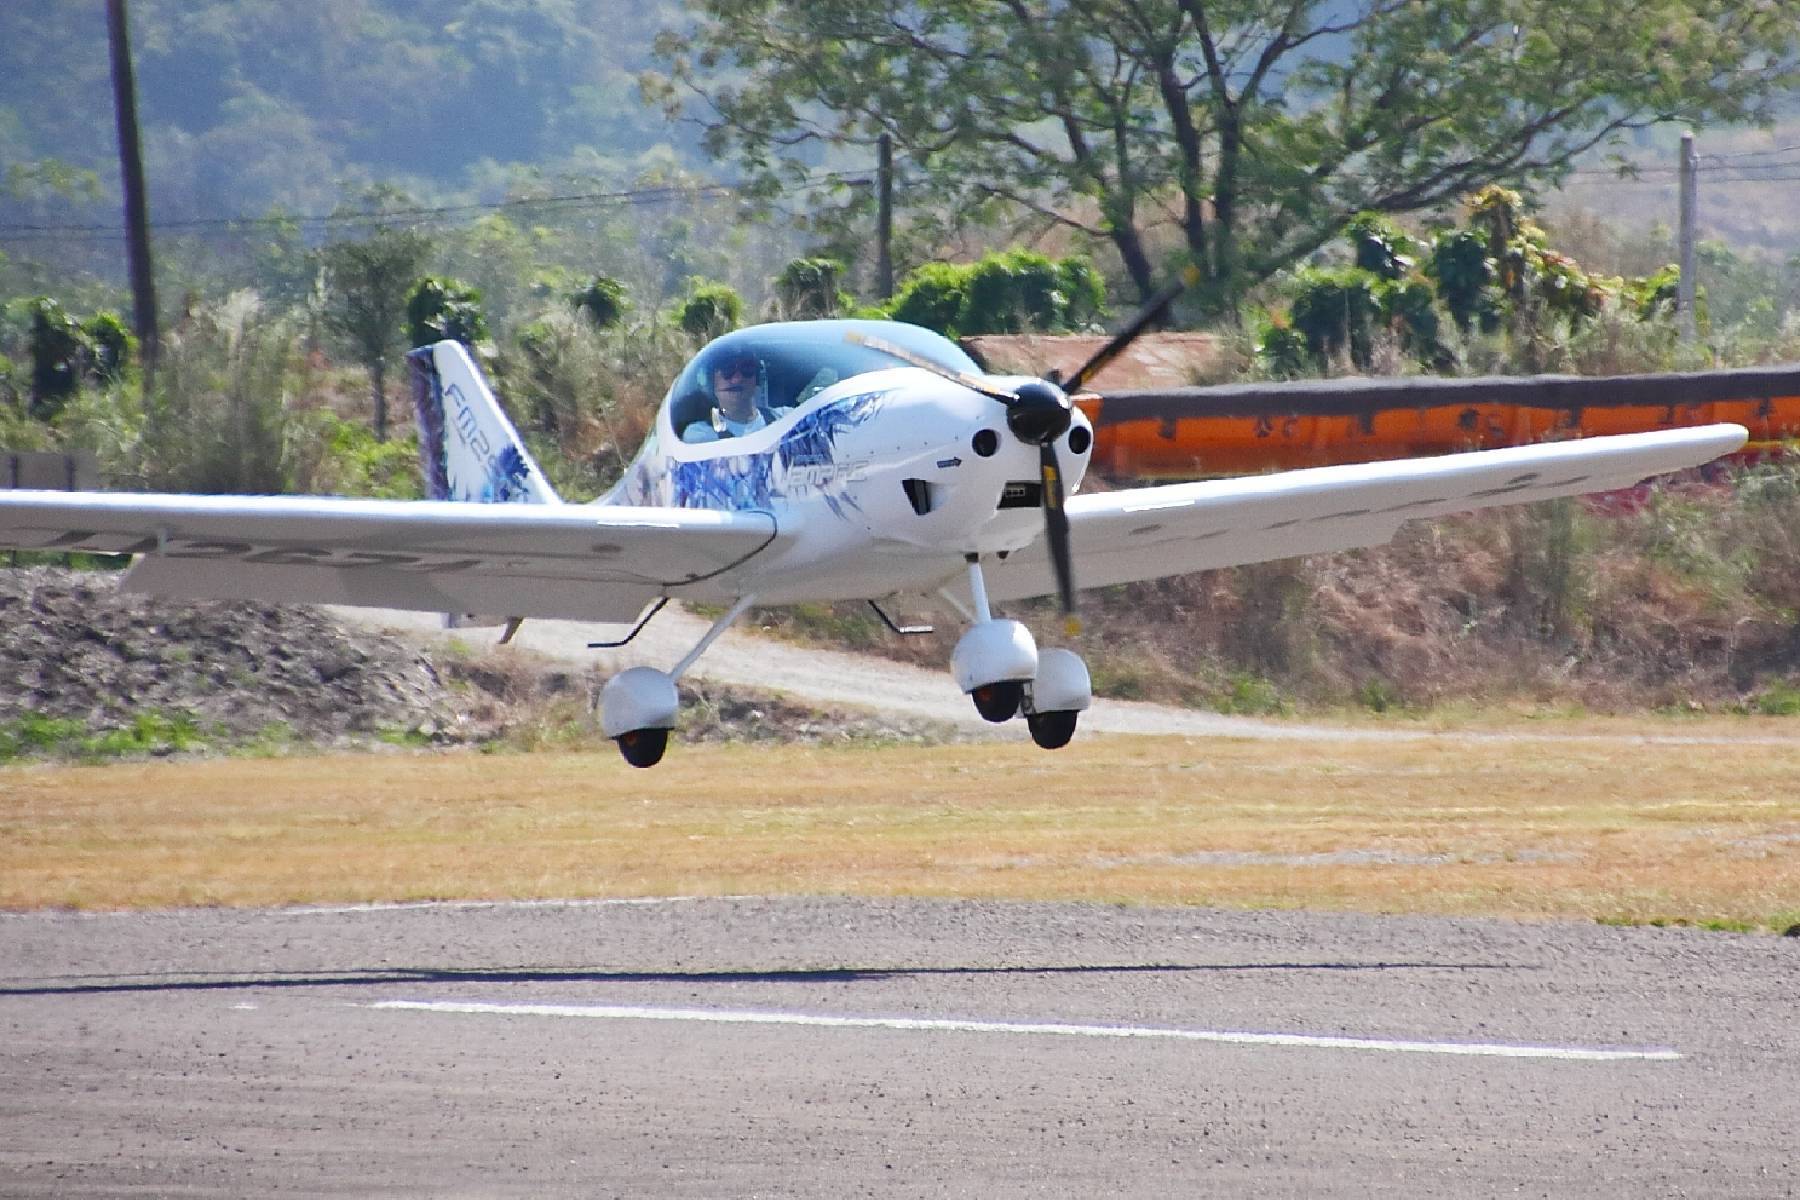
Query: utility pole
<point x="1690" y="192"/>
<point x="131" y="175"/>
<point x="884" y="221"/>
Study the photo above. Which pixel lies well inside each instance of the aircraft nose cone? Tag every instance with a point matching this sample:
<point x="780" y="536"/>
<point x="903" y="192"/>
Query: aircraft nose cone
<point x="1040" y="415"/>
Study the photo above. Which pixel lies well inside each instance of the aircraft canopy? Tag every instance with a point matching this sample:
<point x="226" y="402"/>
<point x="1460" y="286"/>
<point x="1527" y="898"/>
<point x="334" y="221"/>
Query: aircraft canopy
<point x="794" y="360"/>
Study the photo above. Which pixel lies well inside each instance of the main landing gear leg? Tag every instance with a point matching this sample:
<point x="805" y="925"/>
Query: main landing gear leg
<point x="638" y="706"/>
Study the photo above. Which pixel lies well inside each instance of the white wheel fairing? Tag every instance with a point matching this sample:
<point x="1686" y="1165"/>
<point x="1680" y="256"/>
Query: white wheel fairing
<point x="998" y="651"/>
<point x="638" y="698"/>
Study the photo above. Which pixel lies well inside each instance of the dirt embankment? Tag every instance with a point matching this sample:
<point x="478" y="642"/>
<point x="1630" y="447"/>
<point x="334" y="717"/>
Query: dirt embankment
<point x="80" y="658"/>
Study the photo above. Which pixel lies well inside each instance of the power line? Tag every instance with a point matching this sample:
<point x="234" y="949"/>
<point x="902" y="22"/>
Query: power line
<point x="575" y="201"/>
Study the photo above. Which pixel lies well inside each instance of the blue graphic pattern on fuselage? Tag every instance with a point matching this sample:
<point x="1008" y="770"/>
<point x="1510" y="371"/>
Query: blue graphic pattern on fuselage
<point x="752" y="481"/>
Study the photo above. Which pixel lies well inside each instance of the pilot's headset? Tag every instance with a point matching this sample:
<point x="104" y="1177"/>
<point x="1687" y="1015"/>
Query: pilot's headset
<point x="734" y="359"/>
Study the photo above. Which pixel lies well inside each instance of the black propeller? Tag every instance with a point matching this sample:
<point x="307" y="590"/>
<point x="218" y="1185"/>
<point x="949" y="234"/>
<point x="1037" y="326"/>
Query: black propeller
<point x="1039" y="412"/>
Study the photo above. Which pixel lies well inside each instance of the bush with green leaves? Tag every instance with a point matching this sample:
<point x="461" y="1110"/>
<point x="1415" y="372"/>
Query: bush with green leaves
<point x="1014" y="291"/>
<point x="218" y="419"/>
<point x="1336" y="310"/>
<point x="933" y="296"/>
<point x="810" y="288"/>
<point x="601" y="301"/>
<point x="111" y="343"/>
<point x="1466" y="276"/>
<point x="59" y="351"/>
<point x="710" y="309"/>
<point x="1282" y="349"/>
<point x="1381" y="247"/>
<point x="440" y="309"/>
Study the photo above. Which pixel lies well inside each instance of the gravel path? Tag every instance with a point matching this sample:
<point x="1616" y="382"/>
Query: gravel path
<point x="831" y="677"/>
<point x="822" y="676"/>
<point x="832" y="1048"/>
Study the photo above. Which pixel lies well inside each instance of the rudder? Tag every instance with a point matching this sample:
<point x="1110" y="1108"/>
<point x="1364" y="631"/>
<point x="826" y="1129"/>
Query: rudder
<point x="468" y="450"/>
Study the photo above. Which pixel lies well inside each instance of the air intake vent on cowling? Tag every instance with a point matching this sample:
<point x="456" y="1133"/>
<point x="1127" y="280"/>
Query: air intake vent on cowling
<point x="1022" y="493"/>
<point x="918" y="492"/>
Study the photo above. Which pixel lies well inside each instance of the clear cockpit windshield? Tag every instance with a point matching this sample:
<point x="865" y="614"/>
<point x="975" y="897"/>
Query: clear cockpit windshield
<point x="785" y="366"/>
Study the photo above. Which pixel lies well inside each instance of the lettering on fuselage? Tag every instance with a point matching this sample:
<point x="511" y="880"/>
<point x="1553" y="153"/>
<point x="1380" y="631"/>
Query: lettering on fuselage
<point x="804" y="480"/>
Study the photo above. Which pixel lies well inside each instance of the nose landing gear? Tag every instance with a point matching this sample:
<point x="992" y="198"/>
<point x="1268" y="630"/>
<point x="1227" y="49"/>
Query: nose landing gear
<point x="997" y="663"/>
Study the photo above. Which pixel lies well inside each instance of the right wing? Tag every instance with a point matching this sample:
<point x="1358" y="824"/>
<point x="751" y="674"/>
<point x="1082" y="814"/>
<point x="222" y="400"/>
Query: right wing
<point x="1148" y="533"/>
<point x="580" y="562"/>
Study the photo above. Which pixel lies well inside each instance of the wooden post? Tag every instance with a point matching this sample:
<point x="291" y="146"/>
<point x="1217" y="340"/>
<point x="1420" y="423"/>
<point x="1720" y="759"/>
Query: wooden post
<point x="1684" y="295"/>
<point x="131" y="174"/>
<point x="884" y="233"/>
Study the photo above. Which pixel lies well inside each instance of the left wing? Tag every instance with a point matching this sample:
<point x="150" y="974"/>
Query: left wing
<point x="582" y="562"/>
<point x="1148" y="533"/>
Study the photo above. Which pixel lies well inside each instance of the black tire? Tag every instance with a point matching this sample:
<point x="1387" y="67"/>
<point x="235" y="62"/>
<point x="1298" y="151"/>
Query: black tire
<point x="1052" y="730"/>
<point x="998" y="702"/>
<point x="643" y="747"/>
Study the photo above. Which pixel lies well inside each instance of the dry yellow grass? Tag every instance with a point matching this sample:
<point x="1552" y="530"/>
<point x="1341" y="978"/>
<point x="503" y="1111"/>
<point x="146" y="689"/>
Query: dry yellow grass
<point x="1603" y="829"/>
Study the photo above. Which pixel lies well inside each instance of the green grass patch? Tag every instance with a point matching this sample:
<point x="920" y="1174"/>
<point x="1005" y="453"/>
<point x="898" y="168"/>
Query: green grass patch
<point x="39" y="735"/>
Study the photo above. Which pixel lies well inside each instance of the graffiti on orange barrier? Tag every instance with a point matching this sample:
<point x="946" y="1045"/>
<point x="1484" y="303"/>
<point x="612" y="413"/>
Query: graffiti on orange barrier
<point x="1244" y="428"/>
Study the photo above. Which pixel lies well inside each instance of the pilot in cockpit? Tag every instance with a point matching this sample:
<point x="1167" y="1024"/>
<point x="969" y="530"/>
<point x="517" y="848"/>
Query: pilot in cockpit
<point x="738" y="386"/>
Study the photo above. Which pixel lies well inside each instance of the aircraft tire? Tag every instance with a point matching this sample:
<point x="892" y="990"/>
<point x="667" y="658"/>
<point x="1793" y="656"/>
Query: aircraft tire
<point x="1052" y="730"/>
<point x="998" y="702"/>
<point x="643" y="747"/>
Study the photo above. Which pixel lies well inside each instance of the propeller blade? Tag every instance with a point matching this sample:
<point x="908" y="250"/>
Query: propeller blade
<point x="973" y="382"/>
<point x="1159" y="303"/>
<point x="1056" y="528"/>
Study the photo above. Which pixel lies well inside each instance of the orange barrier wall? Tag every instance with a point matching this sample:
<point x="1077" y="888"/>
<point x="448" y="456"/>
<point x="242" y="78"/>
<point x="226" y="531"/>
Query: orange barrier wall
<point x="1240" y="429"/>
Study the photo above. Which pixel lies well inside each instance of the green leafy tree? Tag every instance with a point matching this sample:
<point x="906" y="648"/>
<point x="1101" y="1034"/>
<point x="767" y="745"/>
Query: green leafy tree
<point x="601" y="301"/>
<point x="368" y="285"/>
<point x="1261" y="125"/>
<point x="710" y="310"/>
<point x="441" y="308"/>
<point x="110" y="342"/>
<point x="59" y="352"/>
<point x="808" y="288"/>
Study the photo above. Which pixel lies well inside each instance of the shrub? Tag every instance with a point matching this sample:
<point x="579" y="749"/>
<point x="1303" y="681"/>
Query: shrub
<point x="441" y="308"/>
<point x="933" y="296"/>
<point x="710" y="309"/>
<point x="1335" y="310"/>
<point x="1282" y="349"/>
<point x="1465" y="277"/>
<point x="807" y="288"/>
<point x="111" y="343"/>
<point x="601" y="301"/>
<point x="1010" y="292"/>
<point x="1380" y="246"/>
<point x="218" y="418"/>
<point x="58" y="352"/>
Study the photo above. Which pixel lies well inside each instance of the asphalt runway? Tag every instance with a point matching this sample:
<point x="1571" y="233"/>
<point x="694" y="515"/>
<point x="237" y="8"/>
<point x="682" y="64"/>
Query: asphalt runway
<point x="820" y="1047"/>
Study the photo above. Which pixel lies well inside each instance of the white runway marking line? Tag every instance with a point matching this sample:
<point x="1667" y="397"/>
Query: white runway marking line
<point x="318" y="910"/>
<point x="606" y="1012"/>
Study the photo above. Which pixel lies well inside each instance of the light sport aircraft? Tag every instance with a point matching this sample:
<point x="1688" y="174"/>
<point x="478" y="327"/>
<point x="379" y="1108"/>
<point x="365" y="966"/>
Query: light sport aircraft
<point x="876" y="461"/>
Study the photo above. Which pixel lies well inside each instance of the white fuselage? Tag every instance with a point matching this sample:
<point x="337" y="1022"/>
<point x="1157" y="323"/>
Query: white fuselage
<point x="878" y="479"/>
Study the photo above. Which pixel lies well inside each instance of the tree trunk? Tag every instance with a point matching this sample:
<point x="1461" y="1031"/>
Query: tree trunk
<point x="378" y="387"/>
<point x="1137" y="264"/>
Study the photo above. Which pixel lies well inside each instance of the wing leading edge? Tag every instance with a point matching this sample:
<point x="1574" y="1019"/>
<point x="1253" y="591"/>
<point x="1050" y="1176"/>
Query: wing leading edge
<point x="579" y="562"/>
<point x="1149" y="533"/>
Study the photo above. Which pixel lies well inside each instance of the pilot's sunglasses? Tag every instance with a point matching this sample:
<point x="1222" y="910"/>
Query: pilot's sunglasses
<point x="737" y="370"/>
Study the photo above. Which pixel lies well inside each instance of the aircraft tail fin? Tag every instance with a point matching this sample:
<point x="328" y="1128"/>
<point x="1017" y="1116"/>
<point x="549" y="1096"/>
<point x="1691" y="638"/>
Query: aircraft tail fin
<point x="467" y="448"/>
